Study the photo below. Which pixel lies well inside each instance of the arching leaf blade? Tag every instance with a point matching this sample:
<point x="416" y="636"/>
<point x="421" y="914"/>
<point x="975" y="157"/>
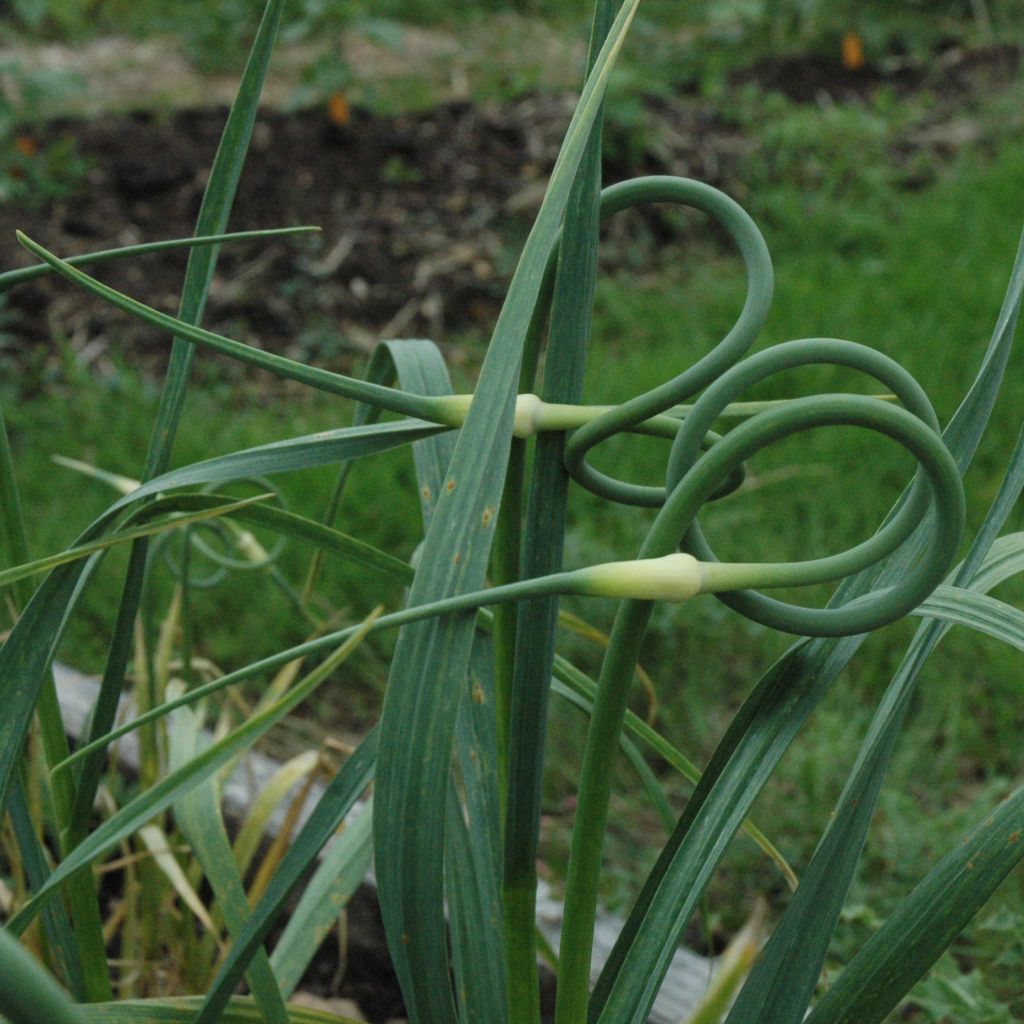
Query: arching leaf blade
<point x="197" y="814"/>
<point x="338" y="799"/>
<point x="339" y="875"/>
<point x="11" y="278"/>
<point x="181" y="1010"/>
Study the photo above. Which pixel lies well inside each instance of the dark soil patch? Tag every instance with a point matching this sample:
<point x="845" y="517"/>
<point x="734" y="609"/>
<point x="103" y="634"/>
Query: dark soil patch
<point x="363" y="972"/>
<point x="419" y="212"/>
<point x="410" y="209"/>
<point x="814" y="78"/>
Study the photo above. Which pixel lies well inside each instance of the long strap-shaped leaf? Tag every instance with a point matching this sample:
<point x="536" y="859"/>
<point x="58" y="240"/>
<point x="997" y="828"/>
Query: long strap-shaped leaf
<point x="240" y="1010"/>
<point x="338" y="799"/>
<point x="579" y="689"/>
<point x="473" y="851"/>
<point x="430" y="659"/>
<point x="811" y="668"/>
<point x="217" y="201"/>
<point x="473" y="821"/>
<point x="985" y="614"/>
<point x="27" y="993"/>
<point x="11" y="278"/>
<point x="325" y="380"/>
<point x="59" y="935"/>
<point x="208" y="510"/>
<point x="839" y="850"/>
<point x="743" y="762"/>
<point x="13" y="542"/>
<point x="915" y="936"/>
<point x="419" y="368"/>
<point x="325" y="896"/>
<point x="197" y="813"/>
<point x="535" y="622"/>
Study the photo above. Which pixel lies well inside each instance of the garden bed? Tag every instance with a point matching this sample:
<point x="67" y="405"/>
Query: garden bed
<point x="420" y="212"/>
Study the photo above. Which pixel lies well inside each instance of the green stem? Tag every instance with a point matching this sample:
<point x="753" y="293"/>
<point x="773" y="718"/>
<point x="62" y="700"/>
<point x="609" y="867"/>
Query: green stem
<point x="10" y="278"/>
<point x="536" y="620"/>
<point x="592" y="811"/>
<point x="700" y="475"/>
<point x="187" y="334"/>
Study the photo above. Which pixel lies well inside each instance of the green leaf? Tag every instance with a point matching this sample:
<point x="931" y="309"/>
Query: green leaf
<point x="783" y="981"/>
<point x="197" y="814"/>
<point x="28" y="994"/>
<point x="11" y="278"/>
<point x="338" y="799"/>
<point x="173" y="522"/>
<point x="60" y="936"/>
<point x="473" y="851"/>
<point x="525" y="635"/>
<point x="977" y="611"/>
<point x="29" y="648"/>
<point x="213" y="216"/>
<point x="573" y="685"/>
<point x="430" y="662"/>
<point x="339" y="875"/>
<point x="419" y="368"/>
<point x="743" y="762"/>
<point x="239" y="1010"/>
<point x="1004" y="559"/>
<point x="12" y="522"/>
<point x="182" y="328"/>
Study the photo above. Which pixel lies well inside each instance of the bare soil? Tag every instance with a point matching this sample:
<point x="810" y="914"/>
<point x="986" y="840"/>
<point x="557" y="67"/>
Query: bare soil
<point x="419" y="212"/>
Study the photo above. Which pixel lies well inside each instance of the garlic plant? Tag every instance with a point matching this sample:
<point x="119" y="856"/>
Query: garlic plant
<point x="456" y="762"/>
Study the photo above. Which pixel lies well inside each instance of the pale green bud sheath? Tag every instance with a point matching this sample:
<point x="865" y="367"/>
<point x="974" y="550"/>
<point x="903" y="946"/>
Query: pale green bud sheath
<point x="675" y="577"/>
